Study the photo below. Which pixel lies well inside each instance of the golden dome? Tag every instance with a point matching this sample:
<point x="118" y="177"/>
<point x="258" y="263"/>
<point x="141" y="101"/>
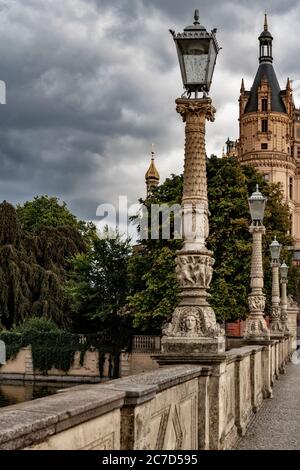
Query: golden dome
<point x="152" y="172"/>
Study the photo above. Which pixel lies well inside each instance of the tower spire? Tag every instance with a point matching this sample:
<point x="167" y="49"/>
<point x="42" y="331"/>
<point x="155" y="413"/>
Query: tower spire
<point x="242" y="86"/>
<point x="265" y="43"/>
<point x="152" y="176"/>
<point x="266" y="22"/>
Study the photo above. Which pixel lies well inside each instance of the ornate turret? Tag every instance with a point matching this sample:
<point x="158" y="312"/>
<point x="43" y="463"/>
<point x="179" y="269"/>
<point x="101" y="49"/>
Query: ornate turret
<point x="266" y="139"/>
<point x="152" y="176"/>
<point x="265" y="114"/>
<point x="265" y="76"/>
<point x="265" y="44"/>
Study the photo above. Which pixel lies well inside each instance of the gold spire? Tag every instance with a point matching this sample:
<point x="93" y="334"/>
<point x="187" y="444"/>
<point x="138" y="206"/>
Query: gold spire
<point x="152" y="171"/>
<point x="152" y="176"/>
<point x="266" y="22"/>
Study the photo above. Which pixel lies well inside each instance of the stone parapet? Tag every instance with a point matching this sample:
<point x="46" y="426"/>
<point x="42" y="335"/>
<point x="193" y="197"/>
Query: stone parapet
<point x="200" y="401"/>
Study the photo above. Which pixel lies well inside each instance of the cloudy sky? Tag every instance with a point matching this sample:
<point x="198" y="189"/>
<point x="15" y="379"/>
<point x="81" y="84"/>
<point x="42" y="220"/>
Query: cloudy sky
<point x="92" y="83"/>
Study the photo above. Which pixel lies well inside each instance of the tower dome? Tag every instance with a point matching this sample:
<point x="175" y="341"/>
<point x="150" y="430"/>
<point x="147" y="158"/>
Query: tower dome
<point x="152" y="176"/>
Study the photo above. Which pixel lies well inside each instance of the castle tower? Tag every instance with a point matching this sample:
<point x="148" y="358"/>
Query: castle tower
<point x="267" y="129"/>
<point x="152" y="176"/>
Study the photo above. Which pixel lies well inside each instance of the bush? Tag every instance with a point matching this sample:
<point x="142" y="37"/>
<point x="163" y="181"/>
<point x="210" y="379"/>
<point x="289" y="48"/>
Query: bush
<point x="37" y="324"/>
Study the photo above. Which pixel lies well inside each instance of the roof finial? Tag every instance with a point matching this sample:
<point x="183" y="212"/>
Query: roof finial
<point x="196" y="17"/>
<point x="152" y="151"/>
<point x="242" y="86"/>
<point x="266" y="21"/>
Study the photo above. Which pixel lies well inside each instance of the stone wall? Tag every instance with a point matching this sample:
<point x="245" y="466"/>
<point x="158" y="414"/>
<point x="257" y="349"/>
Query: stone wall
<point x="21" y="368"/>
<point x="139" y="360"/>
<point x="205" y="405"/>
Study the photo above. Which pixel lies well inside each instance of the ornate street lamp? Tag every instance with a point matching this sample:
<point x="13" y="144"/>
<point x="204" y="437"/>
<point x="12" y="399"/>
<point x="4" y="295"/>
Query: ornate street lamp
<point x="257" y="204"/>
<point x="284" y="271"/>
<point x="275" y="249"/>
<point x="197" y="52"/>
<point x="256" y="327"/>
<point x="284" y="318"/>
<point x="276" y="325"/>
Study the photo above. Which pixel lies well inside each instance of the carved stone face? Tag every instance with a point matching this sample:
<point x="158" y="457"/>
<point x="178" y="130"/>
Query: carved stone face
<point x="190" y="323"/>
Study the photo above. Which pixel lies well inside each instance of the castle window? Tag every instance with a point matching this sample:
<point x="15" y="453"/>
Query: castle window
<point x="266" y="177"/>
<point x="291" y="188"/>
<point x="264" y="104"/>
<point x="264" y="146"/>
<point x="298" y="152"/>
<point x="264" y="125"/>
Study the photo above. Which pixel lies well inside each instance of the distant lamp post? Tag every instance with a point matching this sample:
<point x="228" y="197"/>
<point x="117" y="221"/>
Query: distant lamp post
<point x="256" y="327"/>
<point x="257" y="205"/>
<point x="284" y="318"/>
<point x="197" y="52"/>
<point x="276" y="324"/>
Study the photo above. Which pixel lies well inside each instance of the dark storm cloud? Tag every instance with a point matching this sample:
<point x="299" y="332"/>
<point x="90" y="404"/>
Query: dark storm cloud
<point x="91" y="84"/>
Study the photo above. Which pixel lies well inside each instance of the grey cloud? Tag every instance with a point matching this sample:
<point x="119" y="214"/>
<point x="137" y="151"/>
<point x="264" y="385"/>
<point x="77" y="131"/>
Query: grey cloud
<point x="91" y="84"/>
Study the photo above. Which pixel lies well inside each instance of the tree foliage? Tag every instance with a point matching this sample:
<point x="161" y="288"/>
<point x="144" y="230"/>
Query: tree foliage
<point x="33" y="268"/>
<point x="46" y="211"/>
<point x="52" y="347"/>
<point x="154" y="288"/>
<point x="98" y="287"/>
<point x="153" y="283"/>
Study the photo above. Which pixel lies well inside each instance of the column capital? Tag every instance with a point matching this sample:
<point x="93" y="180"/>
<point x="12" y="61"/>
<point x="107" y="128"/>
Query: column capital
<point x="257" y="229"/>
<point x="195" y="107"/>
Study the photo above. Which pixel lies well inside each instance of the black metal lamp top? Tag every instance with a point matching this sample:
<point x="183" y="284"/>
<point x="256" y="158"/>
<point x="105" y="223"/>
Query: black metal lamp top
<point x="197" y="52"/>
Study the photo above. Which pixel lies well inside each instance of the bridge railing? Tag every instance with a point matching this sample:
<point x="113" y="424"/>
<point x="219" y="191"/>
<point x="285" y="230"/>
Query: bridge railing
<point x="146" y="343"/>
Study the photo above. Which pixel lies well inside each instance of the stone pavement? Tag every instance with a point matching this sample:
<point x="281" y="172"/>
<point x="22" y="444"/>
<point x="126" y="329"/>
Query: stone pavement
<point x="277" y="424"/>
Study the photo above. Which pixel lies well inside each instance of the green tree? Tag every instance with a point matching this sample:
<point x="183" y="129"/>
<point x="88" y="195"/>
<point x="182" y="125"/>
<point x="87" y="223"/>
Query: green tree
<point x="153" y="283"/>
<point x="98" y="288"/>
<point x="33" y="269"/>
<point x="45" y="211"/>
<point x="229" y="186"/>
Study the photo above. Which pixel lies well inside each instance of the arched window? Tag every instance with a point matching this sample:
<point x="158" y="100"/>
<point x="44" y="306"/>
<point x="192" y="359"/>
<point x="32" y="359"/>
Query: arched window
<point x="291" y="187"/>
<point x="264" y="104"/>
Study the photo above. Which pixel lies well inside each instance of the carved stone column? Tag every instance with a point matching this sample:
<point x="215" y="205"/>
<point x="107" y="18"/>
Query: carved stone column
<point x="193" y="327"/>
<point x="276" y="329"/>
<point x="256" y="327"/>
<point x="284" y="316"/>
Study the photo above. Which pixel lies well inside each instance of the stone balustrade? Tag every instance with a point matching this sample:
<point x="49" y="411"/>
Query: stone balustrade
<point x="187" y="406"/>
<point x="146" y="343"/>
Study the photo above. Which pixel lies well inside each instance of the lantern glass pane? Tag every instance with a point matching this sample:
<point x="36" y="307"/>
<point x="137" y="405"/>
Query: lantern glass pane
<point x="195" y="68"/>
<point x="212" y="62"/>
<point x="284" y="271"/>
<point x="275" y="251"/>
<point x="257" y="208"/>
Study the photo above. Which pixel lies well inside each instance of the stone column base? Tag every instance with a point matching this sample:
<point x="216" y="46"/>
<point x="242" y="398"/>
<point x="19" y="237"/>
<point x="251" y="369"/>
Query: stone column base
<point x="186" y="345"/>
<point x="171" y="359"/>
<point x="276" y="335"/>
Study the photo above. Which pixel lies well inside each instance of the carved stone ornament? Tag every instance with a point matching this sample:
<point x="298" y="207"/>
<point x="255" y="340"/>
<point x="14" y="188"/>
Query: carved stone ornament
<point x="195" y="221"/>
<point x="256" y="303"/>
<point x="196" y="108"/>
<point x="193" y="322"/>
<point x="291" y="302"/>
<point x="275" y="313"/>
<point x="194" y="270"/>
<point x="284" y="316"/>
<point x="276" y="327"/>
<point x="256" y="328"/>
